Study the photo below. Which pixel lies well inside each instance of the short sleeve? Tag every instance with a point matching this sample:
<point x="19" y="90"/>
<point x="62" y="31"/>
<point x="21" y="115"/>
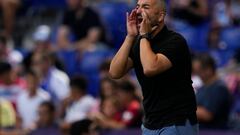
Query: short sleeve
<point x="175" y="49"/>
<point x="218" y="99"/>
<point x="214" y="99"/>
<point x="135" y="47"/>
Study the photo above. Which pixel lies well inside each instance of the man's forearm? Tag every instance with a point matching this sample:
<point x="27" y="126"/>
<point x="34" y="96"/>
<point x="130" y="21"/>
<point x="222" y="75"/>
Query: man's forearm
<point x="119" y="64"/>
<point x="152" y="63"/>
<point x="147" y="56"/>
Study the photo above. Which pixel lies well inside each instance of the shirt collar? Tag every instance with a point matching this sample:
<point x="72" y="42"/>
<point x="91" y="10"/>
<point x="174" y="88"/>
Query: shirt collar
<point x="161" y="34"/>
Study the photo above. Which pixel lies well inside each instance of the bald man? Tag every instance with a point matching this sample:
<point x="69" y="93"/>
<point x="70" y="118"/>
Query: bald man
<point x="162" y="62"/>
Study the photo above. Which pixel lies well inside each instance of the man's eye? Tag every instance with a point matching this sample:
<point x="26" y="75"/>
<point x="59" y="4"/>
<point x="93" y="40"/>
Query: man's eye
<point x="146" y="7"/>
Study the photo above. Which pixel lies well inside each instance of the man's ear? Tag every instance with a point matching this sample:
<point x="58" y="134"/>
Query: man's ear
<point x="161" y="17"/>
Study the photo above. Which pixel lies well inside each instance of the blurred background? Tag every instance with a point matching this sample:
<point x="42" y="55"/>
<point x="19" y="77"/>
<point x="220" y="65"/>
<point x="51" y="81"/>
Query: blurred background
<point x="55" y="56"/>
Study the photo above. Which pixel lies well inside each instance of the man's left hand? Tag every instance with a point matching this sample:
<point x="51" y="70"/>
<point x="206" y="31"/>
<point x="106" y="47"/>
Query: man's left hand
<point x="145" y="26"/>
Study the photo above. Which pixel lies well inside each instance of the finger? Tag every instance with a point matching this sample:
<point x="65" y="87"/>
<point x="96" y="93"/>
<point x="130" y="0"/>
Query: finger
<point x="144" y="15"/>
<point x="127" y="16"/>
<point x="133" y="14"/>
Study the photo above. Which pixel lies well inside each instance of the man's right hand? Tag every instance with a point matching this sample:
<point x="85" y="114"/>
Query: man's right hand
<point x="132" y="23"/>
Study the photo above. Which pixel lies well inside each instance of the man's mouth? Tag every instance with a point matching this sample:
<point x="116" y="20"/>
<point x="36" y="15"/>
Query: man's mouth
<point x="139" y="19"/>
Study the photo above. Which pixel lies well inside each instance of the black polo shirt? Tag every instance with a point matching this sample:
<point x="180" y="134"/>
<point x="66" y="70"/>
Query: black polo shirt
<point x="169" y="98"/>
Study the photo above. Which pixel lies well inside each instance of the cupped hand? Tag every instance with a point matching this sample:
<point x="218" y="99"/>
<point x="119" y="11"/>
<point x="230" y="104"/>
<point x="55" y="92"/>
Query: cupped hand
<point x="132" y="23"/>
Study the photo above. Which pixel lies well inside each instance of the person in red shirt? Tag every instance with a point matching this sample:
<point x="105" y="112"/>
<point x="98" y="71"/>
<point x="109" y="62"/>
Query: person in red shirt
<point x="123" y="111"/>
<point x="130" y="105"/>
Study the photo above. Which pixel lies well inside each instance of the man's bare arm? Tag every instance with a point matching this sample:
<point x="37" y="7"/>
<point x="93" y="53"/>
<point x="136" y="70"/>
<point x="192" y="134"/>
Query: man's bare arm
<point x="152" y="63"/>
<point x="121" y="63"/>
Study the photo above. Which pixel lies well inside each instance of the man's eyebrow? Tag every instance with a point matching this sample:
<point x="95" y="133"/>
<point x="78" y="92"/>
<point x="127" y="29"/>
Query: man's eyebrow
<point x="144" y="4"/>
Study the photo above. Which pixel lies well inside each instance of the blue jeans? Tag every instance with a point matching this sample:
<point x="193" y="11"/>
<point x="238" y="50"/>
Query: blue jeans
<point x="186" y="129"/>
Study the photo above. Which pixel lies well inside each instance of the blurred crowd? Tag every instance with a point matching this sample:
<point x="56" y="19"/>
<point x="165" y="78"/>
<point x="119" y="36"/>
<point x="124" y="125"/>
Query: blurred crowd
<point x="55" y="56"/>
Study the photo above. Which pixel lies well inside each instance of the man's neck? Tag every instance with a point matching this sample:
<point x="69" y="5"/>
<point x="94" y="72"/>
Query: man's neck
<point x="80" y="96"/>
<point x="157" y="30"/>
<point x="32" y="93"/>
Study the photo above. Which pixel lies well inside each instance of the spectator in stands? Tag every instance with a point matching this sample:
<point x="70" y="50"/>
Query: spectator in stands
<point x="46" y="124"/>
<point x="235" y="11"/>
<point x="83" y="127"/>
<point x="53" y="80"/>
<point x="65" y="50"/>
<point x="91" y="54"/>
<point x="29" y="100"/>
<point x="80" y="18"/>
<point x="109" y="114"/>
<point x="41" y="44"/>
<point x="226" y="13"/>
<point x="79" y="105"/>
<point x="192" y="11"/>
<point x="8" y="123"/>
<point x="221" y="14"/>
<point x="129" y="114"/>
<point x="41" y="37"/>
<point x="63" y="39"/>
<point x="213" y="98"/>
<point x="197" y="82"/>
<point x="107" y="88"/>
<point x="9" y="8"/>
<point x="7" y="115"/>
<point x="10" y="85"/>
<point x="8" y="54"/>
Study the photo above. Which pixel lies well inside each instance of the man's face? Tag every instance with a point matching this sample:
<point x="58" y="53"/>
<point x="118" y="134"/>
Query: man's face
<point x="45" y="116"/>
<point x="74" y="4"/>
<point x="153" y="10"/>
<point x="32" y="82"/>
<point x="203" y="72"/>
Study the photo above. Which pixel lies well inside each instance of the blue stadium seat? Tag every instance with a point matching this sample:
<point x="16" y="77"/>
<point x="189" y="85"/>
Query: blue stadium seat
<point x="231" y="36"/>
<point x="48" y="3"/>
<point x="222" y="57"/>
<point x="114" y="16"/>
<point x="196" y="36"/>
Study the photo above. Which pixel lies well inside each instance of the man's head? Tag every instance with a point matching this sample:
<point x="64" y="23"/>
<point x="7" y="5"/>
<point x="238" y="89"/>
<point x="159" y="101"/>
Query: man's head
<point x="6" y="72"/>
<point x="41" y="38"/>
<point x="75" y="4"/>
<point x="204" y="66"/>
<point x="154" y="9"/>
<point x="42" y="62"/>
<point x="46" y="113"/>
<point x="32" y="81"/>
<point x="78" y="87"/>
<point x="83" y="127"/>
<point x="125" y="92"/>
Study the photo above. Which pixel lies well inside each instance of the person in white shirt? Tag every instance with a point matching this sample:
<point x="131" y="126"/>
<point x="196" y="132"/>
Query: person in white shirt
<point x="53" y="80"/>
<point x="80" y="105"/>
<point x="29" y="100"/>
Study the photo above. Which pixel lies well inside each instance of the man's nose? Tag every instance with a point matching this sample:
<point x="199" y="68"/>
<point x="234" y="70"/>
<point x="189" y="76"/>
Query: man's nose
<point x="139" y="10"/>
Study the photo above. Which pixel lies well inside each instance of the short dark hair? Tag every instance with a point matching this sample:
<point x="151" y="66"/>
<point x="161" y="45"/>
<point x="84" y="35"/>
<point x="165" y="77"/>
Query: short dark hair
<point x="5" y="67"/>
<point x="3" y="39"/>
<point x="126" y="86"/>
<point x="80" y="127"/>
<point x="79" y="82"/>
<point x="206" y="61"/>
<point x="49" y="105"/>
<point x="31" y="72"/>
